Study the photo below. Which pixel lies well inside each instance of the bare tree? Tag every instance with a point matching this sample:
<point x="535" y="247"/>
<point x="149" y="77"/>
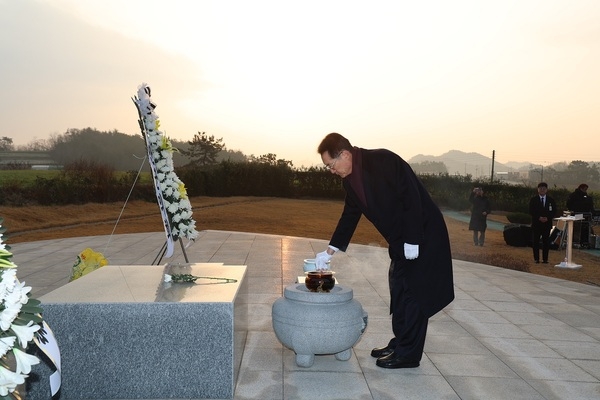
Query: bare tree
<point x="6" y="144"/>
<point x="36" y="145"/>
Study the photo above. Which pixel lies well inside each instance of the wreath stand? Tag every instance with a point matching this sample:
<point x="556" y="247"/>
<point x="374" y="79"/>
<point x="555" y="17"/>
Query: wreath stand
<point x="163" y="250"/>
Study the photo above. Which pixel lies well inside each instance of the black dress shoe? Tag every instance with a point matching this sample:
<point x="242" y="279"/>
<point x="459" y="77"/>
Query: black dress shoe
<point x="544" y="262"/>
<point x="395" y="361"/>
<point x="381" y="351"/>
<point x="537" y="261"/>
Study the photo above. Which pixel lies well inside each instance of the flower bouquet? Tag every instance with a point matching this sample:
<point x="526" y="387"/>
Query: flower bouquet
<point x="87" y="261"/>
<point x="20" y="319"/>
<point x="189" y="278"/>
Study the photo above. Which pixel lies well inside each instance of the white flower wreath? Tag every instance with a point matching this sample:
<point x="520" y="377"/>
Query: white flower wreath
<point x="174" y="195"/>
<point x="20" y="319"/>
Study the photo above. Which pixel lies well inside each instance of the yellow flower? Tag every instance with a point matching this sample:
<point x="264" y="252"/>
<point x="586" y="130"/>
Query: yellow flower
<point x="87" y="261"/>
<point x="182" y="191"/>
<point x="166" y="145"/>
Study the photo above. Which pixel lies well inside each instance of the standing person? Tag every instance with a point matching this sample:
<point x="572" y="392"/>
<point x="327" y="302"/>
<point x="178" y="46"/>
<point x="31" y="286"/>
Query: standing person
<point x="542" y="210"/>
<point x="580" y="201"/>
<point x="479" y="212"/>
<point x="381" y="186"/>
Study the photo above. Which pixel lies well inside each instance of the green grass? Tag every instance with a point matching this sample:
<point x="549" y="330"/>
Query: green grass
<point x="145" y="177"/>
<point x="27" y="176"/>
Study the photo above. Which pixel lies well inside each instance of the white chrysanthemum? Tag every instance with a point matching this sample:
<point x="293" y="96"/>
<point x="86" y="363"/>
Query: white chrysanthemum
<point x="9" y="279"/>
<point x="25" y="332"/>
<point x="160" y="164"/>
<point x="24" y="292"/>
<point x="14" y="296"/>
<point x="24" y="361"/>
<point x="8" y="315"/>
<point x="173" y="176"/>
<point x="6" y="343"/>
<point x="168" y="278"/>
<point x="186" y="204"/>
<point x="173" y="207"/>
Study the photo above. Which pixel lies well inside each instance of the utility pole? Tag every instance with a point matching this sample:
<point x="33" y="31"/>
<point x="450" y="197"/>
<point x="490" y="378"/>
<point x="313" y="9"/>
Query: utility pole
<point x="493" y="160"/>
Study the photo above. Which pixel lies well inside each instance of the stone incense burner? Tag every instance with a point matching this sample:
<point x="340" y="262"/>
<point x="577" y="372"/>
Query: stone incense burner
<point x="314" y="323"/>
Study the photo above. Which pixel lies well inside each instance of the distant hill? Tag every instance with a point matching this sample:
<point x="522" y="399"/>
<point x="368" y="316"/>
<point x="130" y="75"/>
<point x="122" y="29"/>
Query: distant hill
<point x="520" y="165"/>
<point x="461" y="163"/>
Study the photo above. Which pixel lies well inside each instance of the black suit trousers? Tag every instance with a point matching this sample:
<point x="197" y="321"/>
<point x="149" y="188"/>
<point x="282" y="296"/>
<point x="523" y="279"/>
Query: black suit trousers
<point x="409" y="324"/>
<point x="542" y="230"/>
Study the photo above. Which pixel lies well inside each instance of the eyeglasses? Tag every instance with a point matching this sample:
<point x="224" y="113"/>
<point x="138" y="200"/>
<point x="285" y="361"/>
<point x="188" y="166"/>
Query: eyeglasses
<point x="331" y="166"/>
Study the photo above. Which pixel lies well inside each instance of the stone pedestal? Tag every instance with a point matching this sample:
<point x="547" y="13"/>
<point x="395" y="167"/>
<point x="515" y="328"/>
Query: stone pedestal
<point x="124" y="334"/>
<point x="318" y="323"/>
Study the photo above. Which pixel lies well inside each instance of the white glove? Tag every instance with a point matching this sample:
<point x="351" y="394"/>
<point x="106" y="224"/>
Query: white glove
<point x="322" y="260"/>
<point x="411" y="251"/>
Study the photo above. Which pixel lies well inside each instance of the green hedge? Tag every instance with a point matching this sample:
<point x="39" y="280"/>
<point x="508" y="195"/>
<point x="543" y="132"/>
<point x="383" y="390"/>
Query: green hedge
<point x="84" y="182"/>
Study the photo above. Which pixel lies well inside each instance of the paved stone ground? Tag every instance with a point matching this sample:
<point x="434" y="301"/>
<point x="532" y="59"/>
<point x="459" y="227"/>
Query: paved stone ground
<point x="507" y="335"/>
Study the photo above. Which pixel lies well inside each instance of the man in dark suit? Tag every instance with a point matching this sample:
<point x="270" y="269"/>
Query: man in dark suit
<point x="542" y="210"/>
<point x="579" y="201"/>
<point x="381" y="186"/>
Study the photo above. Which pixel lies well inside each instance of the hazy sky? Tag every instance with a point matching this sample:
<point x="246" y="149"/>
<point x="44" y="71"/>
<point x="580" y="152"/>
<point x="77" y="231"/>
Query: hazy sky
<point x="418" y="77"/>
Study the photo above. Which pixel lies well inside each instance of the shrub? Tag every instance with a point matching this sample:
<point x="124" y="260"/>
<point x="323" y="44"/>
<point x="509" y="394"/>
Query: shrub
<point x="519" y="218"/>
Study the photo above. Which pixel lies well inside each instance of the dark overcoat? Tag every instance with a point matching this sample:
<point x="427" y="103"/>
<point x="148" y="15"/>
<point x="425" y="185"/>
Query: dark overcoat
<point x="481" y="204"/>
<point x="403" y="212"/>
